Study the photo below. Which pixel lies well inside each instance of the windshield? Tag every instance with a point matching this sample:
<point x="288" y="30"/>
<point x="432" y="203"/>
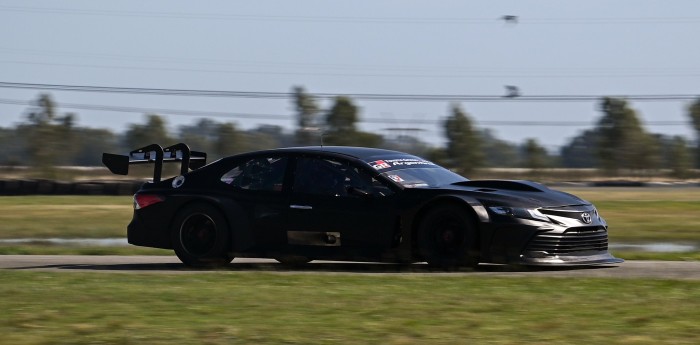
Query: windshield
<point x="423" y="177"/>
<point x="413" y="172"/>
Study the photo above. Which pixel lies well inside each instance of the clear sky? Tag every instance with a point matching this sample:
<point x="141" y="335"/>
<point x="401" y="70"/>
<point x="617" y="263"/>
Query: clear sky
<point x="350" y="47"/>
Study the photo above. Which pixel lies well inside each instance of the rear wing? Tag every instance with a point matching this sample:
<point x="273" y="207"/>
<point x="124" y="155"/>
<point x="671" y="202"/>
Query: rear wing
<point x="154" y="153"/>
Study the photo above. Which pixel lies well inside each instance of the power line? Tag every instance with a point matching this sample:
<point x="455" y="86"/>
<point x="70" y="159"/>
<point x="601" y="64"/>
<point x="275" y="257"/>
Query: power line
<point x="180" y="112"/>
<point x="457" y="74"/>
<point x="245" y="17"/>
<point x="281" y="117"/>
<point x="357" y="96"/>
<point x="482" y="71"/>
<point x="340" y="19"/>
<point x="151" y="91"/>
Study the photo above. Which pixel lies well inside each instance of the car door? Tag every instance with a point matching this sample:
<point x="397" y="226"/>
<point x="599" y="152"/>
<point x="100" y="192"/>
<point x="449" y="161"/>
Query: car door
<point x="338" y="205"/>
<point x="257" y="185"/>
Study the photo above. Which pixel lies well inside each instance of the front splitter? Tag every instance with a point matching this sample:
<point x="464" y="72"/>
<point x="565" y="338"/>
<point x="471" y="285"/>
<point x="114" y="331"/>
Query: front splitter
<point x="603" y="258"/>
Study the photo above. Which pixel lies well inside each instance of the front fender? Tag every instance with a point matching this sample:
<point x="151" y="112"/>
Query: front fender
<point x="411" y="220"/>
<point x="475" y="205"/>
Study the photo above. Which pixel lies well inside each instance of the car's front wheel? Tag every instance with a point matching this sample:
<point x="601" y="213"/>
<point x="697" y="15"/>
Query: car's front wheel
<point x="200" y="236"/>
<point x="447" y="237"/>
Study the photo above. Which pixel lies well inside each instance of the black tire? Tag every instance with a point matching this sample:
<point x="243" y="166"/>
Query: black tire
<point x="447" y="237"/>
<point x="200" y="236"/>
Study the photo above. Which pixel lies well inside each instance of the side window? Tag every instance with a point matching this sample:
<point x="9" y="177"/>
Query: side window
<point x="260" y="173"/>
<point x="319" y="176"/>
<point x="334" y="178"/>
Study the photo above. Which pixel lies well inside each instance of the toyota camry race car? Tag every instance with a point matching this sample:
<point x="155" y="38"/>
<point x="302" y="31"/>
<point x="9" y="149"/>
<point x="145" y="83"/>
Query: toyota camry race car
<point x="351" y="203"/>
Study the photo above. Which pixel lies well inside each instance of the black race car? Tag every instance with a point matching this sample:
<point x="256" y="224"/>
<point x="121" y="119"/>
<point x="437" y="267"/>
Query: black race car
<point x="351" y="203"/>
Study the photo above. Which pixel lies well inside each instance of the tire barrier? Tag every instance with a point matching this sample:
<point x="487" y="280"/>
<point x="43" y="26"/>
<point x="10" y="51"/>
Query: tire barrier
<point x="50" y="187"/>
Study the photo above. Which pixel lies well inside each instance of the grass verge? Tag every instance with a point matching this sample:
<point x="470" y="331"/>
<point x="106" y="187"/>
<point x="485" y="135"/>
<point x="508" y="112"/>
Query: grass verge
<point x="268" y="308"/>
<point x="648" y="214"/>
<point x="65" y="216"/>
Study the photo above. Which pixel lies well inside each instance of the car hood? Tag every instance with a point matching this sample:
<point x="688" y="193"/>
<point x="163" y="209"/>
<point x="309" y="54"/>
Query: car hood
<point x="517" y="193"/>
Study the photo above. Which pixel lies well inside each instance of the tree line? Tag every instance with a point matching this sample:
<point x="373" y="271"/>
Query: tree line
<point x="617" y="143"/>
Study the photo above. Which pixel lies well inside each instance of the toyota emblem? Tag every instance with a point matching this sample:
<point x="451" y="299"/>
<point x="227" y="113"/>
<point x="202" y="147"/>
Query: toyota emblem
<point x="586" y="217"/>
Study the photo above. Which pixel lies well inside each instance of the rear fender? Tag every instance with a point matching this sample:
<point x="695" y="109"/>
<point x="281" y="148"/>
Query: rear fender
<point x="241" y="236"/>
<point x="239" y="225"/>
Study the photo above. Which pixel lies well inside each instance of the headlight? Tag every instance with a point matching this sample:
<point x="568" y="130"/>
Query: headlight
<point x="519" y="212"/>
<point x="600" y="218"/>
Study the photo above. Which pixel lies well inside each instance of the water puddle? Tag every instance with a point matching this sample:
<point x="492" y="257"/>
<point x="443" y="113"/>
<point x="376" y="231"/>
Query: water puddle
<point x="654" y="247"/>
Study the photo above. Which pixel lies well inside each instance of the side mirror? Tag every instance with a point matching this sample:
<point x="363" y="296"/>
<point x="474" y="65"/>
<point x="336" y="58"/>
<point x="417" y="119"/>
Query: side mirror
<point x="359" y="192"/>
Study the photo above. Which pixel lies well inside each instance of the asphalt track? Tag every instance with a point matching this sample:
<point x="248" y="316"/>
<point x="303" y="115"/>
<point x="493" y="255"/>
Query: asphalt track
<point x="686" y="270"/>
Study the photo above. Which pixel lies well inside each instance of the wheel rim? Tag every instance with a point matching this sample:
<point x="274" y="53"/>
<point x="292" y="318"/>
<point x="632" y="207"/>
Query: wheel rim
<point x="198" y="234"/>
<point x="448" y="235"/>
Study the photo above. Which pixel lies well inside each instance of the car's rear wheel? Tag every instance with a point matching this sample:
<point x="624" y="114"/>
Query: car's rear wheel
<point x="200" y="236"/>
<point x="447" y="237"/>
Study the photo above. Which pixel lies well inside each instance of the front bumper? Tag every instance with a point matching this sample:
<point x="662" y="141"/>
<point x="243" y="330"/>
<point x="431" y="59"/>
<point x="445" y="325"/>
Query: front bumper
<point x="586" y="245"/>
<point x="565" y="241"/>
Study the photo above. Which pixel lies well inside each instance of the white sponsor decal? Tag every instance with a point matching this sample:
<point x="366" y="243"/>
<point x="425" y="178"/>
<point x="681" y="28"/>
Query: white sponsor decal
<point x="379" y="165"/>
<point x="396" y="178"/>
<point x="402" y="162"/>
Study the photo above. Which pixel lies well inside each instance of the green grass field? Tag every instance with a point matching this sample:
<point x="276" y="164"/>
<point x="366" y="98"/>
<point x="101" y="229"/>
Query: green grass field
<point x="648" y="214"/>
<point x="64" y="216"/>
<point x="226" y="307"/>
<point x="634" y="215"/>
<point x="269" y="308"/>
